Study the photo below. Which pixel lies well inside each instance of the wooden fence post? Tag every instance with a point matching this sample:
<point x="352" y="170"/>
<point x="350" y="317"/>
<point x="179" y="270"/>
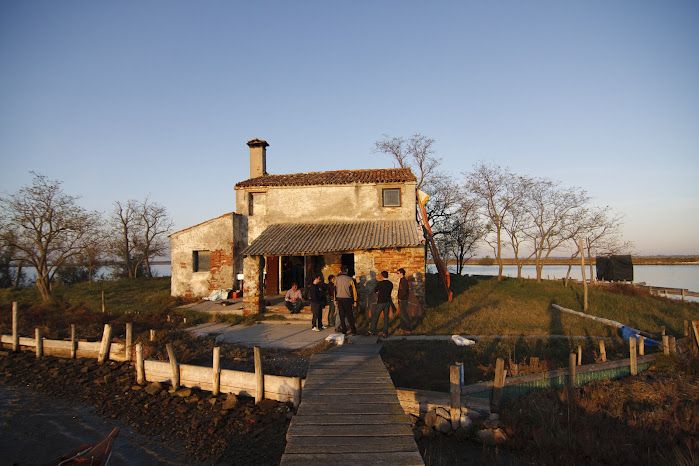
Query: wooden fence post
<point x="174" y="368"/>
<point x="216" y="371"/>
<point x="104" y="308"/>
<point x="73" y="343"/>
<point x="666" y="345"/>
<point x="602" y="351"/>
<point x="673" y="345"/>
<point x="259" y="376"/>
<point x="106" y="343"/>
<point x="140" y="368"/>
<point x="39" y="341"/>
<point x="129" y="340"/>
<point x="641" y="345"/>
<point x="455" y="395"/>
<point x="683" y="294"/>
<point x="151" y="335"/>
<point x="579" y="355"/>
<point x="633" y="357"/>
<point x="498" y="384"/>
<point x="572" y="359"/>
<point x="695" y="330"/>
<point x="15" y="325"/>
<point x="686" y="328"/>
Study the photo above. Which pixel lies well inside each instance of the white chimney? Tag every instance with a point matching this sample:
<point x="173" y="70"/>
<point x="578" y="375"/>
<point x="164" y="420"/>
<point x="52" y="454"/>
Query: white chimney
<point x="258" y="157"/>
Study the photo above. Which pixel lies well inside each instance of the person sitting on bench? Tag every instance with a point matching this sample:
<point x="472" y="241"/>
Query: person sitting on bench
<point x="293" y="299"/>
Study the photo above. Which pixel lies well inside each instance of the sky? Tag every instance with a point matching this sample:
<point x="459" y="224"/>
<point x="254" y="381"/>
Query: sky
<point x="121" y="100"/>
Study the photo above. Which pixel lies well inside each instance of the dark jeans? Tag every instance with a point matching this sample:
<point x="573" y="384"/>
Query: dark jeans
<point x="294" y="307"/>
<point x="380" y="307"/>
<point x="405" y="323"/>
<point x="346" y="314"/>
<point x="331" y="314"/>
<point x="317" y="310"/>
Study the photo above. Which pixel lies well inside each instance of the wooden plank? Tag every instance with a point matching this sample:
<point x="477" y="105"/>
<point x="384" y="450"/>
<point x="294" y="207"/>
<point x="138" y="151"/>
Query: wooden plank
<point x="369" y="430"/>
<point x="353" y="459"/>
<point x="359" y="408"/>
<point x="350" y="444"/>
<point x="348" y="399"/>
<point x="310" y="392"/>
<point x="349" y="419"/>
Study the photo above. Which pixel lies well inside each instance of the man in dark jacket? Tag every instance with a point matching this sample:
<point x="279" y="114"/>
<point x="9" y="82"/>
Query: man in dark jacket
<point x="403" y="296"/>
<point x="316" y="295"/>
<point x="383" y="303"/>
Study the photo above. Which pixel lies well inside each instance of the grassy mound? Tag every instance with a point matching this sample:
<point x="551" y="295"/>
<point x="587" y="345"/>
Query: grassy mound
<point x="485" y="306"/>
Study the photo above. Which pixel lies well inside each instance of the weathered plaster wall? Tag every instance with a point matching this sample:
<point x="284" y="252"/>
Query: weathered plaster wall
<point x="325" y="203"/>
<point x="215" y="235"/>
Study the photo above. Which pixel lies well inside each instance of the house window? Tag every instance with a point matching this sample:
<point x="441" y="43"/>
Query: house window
<point x="201" y="261"/>
<point x="391" y="197"/>
<point x="256" y="204"/>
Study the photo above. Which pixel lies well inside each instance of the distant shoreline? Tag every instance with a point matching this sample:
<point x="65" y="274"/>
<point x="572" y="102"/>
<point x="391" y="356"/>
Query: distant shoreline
<point x="637" y="260"/>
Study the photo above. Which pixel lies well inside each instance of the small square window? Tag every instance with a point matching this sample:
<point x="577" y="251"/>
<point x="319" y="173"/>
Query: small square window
<point x="201" y="261"/>
<point x="391" y="197"/>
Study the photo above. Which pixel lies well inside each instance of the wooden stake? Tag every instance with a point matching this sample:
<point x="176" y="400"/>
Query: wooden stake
<point x="572" y="359"/>
<point x="641" y="345"/>
<point x="579" y="355"/>
<point x="106" y="343"/>
<point x="673" y="345"/>
<point x="683" y="294"/>
<point x="666" y="345"/>
<point x="39" y="341"/>
<point x="104" y="309"/>
<point x="582" y="271"/>
<point x="259" y="376"/>
<point x="174" y="368"/>
<point x="602" y="351"/>
<point x="216" y="371"/>
<point x="15" y="325"/>
<point x="695" y="330"/>
<point x="633" y="357"/>
<point x="152" y="335"/>
<point x="686" y="328"/>
<point x="140" y="368"/>
<point x="455" y="395"/>
<point x="73" y="343"/>
<point x="129" y="340"/>
<point x="498" y="384"/>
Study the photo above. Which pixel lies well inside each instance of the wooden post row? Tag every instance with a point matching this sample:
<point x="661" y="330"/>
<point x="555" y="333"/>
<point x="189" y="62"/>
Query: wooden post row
<point x="673" y="345"/>
<point x="15" y="325"/>
<point x="106" y="343"/>
<point x="174" y="368"/>
<point x="140" y="368"/>
<point x="455" y="395"/>
<point x="259" y="376"/>
<point x="216" y="371"/>
<point x="633" y="357"/>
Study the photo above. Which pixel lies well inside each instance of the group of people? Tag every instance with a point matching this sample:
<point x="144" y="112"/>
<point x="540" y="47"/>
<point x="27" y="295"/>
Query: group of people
<point x="340" y="295"/>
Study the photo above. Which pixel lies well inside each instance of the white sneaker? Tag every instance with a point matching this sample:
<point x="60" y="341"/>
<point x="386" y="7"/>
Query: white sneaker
<point x="315" y="329"/>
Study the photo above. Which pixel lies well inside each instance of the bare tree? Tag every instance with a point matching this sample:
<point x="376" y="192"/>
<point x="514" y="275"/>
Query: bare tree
<point x="46" y="226"/>
<point x="415" y="153"/>
<point x="155" y="225"/>
<point x="465" y="231"/>
<point x="556" y="215"/>
<point x="126" y="229"/>
<point x="516" y="221"/>
<point x="497" y="190"/>
<point x="601" y="234"/>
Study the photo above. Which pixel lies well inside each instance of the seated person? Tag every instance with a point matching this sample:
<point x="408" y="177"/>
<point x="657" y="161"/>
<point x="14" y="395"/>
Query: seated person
<point x="293" y="299"/>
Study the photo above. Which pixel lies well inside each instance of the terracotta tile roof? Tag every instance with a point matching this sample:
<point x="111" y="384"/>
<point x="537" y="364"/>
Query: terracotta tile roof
<point x="378" y="175"/>
<point x="318" y="238"/>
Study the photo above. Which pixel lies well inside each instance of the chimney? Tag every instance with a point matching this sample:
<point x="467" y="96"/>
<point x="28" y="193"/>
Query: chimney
<point x="258" y="157"/>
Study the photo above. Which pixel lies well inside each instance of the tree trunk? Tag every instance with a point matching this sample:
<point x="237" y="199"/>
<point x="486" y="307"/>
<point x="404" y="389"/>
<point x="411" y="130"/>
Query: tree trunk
<point x="519" y="269"/>
<point x="539" y="270"/>
<point x="18" y="276"/>
<point x="44" y="287"/>
<point x="570" y="266"/>
<point x="499" y="254"/>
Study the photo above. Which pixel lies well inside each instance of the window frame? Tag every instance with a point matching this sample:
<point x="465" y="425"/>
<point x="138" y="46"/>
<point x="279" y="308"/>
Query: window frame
<point x="196" y="261"/>
<point x="383" y="197"/>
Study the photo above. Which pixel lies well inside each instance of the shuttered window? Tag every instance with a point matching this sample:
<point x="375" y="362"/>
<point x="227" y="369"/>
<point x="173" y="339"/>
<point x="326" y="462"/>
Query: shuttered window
<point x="391" y="197"/>
<point x="201" y="261"/>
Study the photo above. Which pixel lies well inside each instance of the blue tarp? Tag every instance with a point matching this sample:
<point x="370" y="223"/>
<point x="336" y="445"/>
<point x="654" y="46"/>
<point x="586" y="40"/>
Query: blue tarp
<point x="628" y="332"/>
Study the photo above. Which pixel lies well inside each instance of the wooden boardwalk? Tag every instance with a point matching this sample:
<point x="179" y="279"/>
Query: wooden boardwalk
<point x="350" y="414"/>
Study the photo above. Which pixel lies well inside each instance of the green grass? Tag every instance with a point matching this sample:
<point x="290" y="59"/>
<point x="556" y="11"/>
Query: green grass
<point x="484" y="306"/>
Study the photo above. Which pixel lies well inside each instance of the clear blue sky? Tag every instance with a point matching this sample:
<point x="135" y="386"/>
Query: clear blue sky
<point x="123" y="99"/>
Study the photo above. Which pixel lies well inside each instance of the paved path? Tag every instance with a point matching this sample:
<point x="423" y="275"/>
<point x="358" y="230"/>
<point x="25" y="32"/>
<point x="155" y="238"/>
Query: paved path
<point x="265" y="335"/>
<point x="349" y="413"/>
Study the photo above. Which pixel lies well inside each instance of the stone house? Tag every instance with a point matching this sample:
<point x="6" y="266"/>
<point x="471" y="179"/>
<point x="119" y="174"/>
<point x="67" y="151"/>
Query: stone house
<point x="286" y="228"/>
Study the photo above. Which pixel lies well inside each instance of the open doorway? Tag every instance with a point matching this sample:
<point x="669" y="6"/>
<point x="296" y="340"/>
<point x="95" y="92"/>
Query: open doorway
<point x="292" y="271"/>
<point x="348" y="261"/>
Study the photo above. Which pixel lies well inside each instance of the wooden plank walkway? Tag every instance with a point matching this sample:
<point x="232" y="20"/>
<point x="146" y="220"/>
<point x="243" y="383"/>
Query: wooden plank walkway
<point x="350" y="414"/>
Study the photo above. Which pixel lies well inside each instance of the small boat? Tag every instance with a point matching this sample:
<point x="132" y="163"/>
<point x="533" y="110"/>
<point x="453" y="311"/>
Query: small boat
<point x="97" y="454"/>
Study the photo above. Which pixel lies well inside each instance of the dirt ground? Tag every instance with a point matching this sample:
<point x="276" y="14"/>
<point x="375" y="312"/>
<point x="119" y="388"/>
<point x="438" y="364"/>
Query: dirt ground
<point x="209" y="429"/>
